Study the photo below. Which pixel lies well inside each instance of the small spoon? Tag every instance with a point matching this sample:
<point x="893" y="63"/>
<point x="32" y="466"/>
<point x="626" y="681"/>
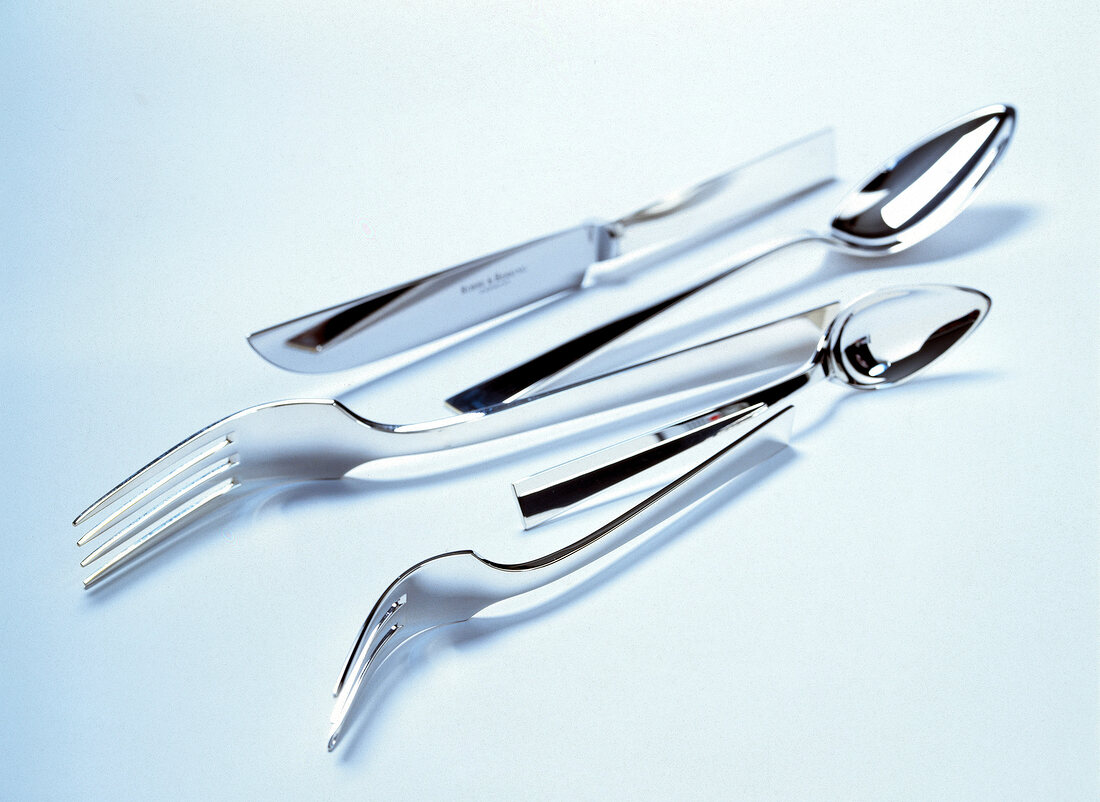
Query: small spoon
<point x="909" y="198"/>
<point x="885" y="337"/>
<point x="879" y="340"/>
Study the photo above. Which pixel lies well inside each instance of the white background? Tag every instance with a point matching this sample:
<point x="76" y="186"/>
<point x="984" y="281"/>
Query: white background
<point x="903" y="606"/>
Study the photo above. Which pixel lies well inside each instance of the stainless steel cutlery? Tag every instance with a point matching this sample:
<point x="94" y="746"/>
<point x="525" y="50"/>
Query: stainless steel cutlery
<point x="910" y="197"/>
<point x="879" y="340"/>
<point x="451" y="588"/>
<point x="308" y="439"/>
<point x="706" y="413"/>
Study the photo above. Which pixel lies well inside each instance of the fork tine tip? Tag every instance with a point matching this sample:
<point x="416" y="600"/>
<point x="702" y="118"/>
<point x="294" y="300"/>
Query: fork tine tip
<point x="78" y="520"/>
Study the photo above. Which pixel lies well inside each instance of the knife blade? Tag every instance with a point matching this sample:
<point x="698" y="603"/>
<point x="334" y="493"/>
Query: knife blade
<point x="463" y="300"/>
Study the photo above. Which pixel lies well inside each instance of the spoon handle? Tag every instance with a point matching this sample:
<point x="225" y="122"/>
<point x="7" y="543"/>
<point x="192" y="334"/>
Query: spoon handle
<point x="625" y="467"/>
<point x="739" y="451"/>
<point x="551" y="368"/>
<point x="644" y="459"/>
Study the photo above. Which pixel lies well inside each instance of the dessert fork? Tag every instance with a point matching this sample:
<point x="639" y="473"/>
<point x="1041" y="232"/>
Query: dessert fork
<point x="452" y="588"/>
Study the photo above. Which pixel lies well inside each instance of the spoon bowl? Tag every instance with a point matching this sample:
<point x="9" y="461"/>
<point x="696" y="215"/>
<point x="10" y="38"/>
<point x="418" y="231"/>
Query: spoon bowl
<point x="887" y="336"/>
<point x="923" y="188"/>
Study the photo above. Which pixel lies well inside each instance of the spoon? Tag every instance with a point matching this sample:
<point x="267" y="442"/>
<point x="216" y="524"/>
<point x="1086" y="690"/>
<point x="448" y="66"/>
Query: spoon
<point x="909" y="198"/>
<point x="879" y="340"/>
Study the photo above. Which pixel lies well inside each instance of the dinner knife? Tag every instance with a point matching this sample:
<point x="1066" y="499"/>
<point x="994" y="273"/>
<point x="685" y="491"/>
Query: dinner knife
<point x="471" y="297"/>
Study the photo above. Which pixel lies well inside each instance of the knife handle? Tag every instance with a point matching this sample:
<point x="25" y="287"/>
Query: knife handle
<point x="690" y="216"/>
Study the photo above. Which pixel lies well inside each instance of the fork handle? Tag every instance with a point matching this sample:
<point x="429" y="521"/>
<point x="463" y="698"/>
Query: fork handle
<point x="555" y="367"/>
<point x="763" y="441"/>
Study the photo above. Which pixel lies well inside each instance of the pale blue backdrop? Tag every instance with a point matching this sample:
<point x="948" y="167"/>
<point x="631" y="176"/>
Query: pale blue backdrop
<point x="904" y="607"/>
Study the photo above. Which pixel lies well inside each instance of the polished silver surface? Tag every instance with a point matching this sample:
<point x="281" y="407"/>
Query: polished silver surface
<point x="310" y="439"/>
<point x="924" y="187"/>
<point x="435" y="311"/>
<point x="430" y="309"/>
<point x="626" y="467"/>
<point x="452" y="588"/>
<point x="879" y="340"/>
<point x="645" y="461"/>
<point x="910" y="197"/>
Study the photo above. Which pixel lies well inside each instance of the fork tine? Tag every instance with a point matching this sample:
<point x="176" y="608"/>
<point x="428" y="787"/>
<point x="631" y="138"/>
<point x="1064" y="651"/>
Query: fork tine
<point x="359" y="640"/>
<point x="365" y="661"/>
<point x="178" y="451"/>
<point x="381" y="634"/>
<point x="162" y="528"/>
<point x="147" y="517"/>
<point x="121" y="510"/>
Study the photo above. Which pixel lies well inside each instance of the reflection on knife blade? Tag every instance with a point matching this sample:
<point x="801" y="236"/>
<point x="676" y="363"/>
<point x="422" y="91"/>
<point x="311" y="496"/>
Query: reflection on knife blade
<point x="475" y="295"/>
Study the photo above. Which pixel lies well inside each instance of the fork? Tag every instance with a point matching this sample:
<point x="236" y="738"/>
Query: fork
<point x="308" y="439"/>
<point x="451" y="588"/>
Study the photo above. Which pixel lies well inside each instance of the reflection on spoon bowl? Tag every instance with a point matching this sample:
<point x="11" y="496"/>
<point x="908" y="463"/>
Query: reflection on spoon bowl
<point x="887" y="336"/>
<point x="925" y="187"/>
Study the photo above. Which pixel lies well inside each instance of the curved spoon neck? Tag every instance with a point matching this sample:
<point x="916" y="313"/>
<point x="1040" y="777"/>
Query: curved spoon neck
<point x="768" y="247"/>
